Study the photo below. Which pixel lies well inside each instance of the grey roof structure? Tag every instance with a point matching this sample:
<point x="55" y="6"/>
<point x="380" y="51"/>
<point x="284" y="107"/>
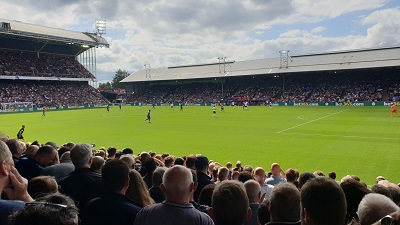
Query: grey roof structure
<point x="17" y="28"/>
<point x="329" y="61"/>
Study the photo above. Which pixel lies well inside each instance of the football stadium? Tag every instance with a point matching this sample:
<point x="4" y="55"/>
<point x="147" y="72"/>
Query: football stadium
<point x="326" y="113"/>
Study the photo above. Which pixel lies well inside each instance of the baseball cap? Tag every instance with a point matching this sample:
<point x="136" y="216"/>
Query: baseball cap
<point x="201" y="162"/>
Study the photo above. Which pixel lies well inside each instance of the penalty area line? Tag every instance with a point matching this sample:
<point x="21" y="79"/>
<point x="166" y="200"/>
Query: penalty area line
<point x="311" y="121"/>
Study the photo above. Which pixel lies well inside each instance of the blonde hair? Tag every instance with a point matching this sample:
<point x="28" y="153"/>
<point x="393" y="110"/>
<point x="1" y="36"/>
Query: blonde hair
<point x="137" y="190"/>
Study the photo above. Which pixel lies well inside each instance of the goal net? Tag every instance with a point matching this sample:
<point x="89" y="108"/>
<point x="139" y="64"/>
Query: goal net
<point x="16" y="106"/>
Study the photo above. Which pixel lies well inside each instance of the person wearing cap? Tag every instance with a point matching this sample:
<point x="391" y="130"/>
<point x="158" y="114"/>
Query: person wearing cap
<point x="203" y="179"/>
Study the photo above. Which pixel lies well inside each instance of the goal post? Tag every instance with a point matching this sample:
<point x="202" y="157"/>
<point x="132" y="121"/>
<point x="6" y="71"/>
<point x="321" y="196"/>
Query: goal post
<point x="16" y="106"/>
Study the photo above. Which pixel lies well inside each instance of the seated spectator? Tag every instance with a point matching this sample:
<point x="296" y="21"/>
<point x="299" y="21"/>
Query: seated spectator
<point x="32" y="167"/>
<point x="373" y="207"/>
<point x="263" y="212"/>
<point x="206" y="195"/>
<point x="380" y="189"/>
<point x="12" y="184"/>
<point x="150" y="165"/>
<point x="60" y="170"/>
<point x="31" y="151"/>
<point x="169" y="161"/>
<point x="260" y="176"/>
<point x="322" y="203"/>
<point x="97" y="164"/>
<point x="290" y="175"/>
<point x="127" y="151"/>
<point x="137" y="190"/>
<point x="276" y="178"/>
<point x="230" y="204"/>
<point x="176" y="209"/>
<point x="253" y="191"/>
<point x="83" y="184"/>
<point x="41" y="186"/>
<point x="179" y="161"/>
<point x="47" y="210"/>
<point x="190" y="162"/>
<point x="203" y="179"/>
<point x="285" y="205"/>
<point x="16" y="149"/>
<point x="354" y="192"/>
<point x="304" y="177"/>
<point x="155" y="191"/>
<point x="129" y="160"/>
<point x="223" y="174"/>
<point x="245" y="176"/>
<point x="235" y="175"/>
<point x="119" y="208"/>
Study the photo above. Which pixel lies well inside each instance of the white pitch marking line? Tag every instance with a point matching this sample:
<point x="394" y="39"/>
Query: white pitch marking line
<point x="344" y="136"/>
<point x="311" y="121"/>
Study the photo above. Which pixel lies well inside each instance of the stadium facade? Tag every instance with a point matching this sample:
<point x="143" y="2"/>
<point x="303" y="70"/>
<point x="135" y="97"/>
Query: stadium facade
<point x="331" y="65"/>
<point x="34" y="57"/>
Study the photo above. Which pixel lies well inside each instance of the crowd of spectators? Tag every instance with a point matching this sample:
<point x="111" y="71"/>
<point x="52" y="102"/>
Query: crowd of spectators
<point x="22" y="63"/>
<point x="110" y="186"/>
<point x="264" y="89"/>
<point x="49" y="93"/>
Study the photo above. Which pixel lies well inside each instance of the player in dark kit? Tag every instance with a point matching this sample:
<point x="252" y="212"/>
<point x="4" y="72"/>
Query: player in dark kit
<point x="120" y="106"/>
<point x="181" y="105"/>
<point x="108" y="108"/>
<point x="20" y="132"/>
<point x="148" y="116"/>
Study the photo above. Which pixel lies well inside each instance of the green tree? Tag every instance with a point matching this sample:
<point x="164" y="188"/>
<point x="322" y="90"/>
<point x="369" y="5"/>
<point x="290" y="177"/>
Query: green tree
<point x="119" y="75"/>
<point x="106" y="85"/>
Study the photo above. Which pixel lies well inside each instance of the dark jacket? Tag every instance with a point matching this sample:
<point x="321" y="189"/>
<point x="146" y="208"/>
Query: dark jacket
<point x="202" y="180"/>
<point x="82" y="185"/>
<point x="118" y="209"/>
<point x="157" y="194"/>
<point x="28" y="168"/>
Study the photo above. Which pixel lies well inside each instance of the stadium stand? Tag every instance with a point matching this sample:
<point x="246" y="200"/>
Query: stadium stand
<point x="40" y="65"/>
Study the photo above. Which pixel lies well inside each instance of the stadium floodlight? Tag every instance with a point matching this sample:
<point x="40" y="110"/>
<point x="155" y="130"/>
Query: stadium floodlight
<point x="101" y="27"/>
<point x="284" y="59"/>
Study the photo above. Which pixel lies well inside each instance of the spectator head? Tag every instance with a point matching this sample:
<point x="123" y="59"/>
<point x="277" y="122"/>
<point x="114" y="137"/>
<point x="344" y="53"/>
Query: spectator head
<point x="46" y="155"/>
<point x="97" y="164"/>
<point x="244" y="176"/>
<point x="101" y="153"/>
<point x="169" y="161"/>
<point x="380" y="189"/>
<point x="223" y="173"/>
<point x="129" y="160"/>
<point x="115" y="176"/>
<point x="235" y="175"/>
<point x="65" y="157"/>
<point x="230" y="204"/>
<point x="31" y="151"/>
<point x="52" y="144"/>
<point x="63" y="150"/>
<point x="164" y="155"/>
<point x="6" y="163"/>
<point x="206" y="195"/>
<point x="322" y="203"/>
<point x="70" y="145"/>
<point x="259" y="175"/>
<point x="201" y="164"/>
<point x="81" y="156"/>
<point x="379" y="178"/>
<point x="304" y="177"/>
<point x="354" y="192"/>
<point x="285" y="203"/>
<point x="263" y="212"/>
<point x="373" y="207"/>
<point x="111" y="152"/>
<point x="179" y="161"/>
<point x="150" y="165"/>
<point x="248" y="168"/>
<point x="290" y="175"/>
<point x="319" y="173"/>
<point x="191" y="162"/>
<point x="15" y="147"/>
<point x="144" y="156"/>
<point x="47" y="210"/>
<point x="238" y="166"/>
<point x="253" y="191"/>
<point x="42" y="185"/>
<point x="332" y="175"/>
<point x="127" y="151"/>
<point x="178" y="184"/>
<point x="276" y="169"/>
<point x="229" y="165"/>
<point x="158" y="175"/>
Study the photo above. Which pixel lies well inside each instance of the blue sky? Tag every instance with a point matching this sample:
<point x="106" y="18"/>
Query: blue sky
<point x="166" y="33"/>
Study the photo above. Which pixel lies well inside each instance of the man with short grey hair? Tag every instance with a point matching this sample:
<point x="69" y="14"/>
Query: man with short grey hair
<point x="253" y="191"/>
<point x="178" y="186"/>
<point x="83" y="184"/>
<point x="373" y="207"/>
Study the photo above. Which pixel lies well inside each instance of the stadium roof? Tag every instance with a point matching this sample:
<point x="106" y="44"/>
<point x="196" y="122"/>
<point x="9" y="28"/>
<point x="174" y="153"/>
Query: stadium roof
<point x="19" y="30"/>
<point x="329" y="61"/>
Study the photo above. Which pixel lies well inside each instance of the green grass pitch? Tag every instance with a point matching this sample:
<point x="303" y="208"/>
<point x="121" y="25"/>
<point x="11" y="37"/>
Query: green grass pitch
<point x="362" y="141"/>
